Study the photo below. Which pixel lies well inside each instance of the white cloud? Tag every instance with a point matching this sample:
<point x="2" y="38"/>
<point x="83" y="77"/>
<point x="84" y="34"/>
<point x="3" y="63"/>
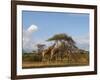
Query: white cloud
<point x="28" y="41"/>
<point x="32" y="28"/>
<point x="82" y="41"/>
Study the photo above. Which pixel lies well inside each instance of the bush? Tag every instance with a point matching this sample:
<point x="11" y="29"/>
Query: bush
<point x="32" y="57"/>
<point x="37" y="58"/>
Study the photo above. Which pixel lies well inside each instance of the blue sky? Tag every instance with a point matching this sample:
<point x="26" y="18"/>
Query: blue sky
<point x="50" y="23"/>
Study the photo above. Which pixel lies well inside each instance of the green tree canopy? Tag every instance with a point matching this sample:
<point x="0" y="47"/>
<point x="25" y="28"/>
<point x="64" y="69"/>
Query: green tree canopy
<point x="62" y="36"/>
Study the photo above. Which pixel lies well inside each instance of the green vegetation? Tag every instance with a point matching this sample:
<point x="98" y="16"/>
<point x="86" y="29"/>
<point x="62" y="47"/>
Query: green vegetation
<point x="31" y="57"/>
<point x="65" y="54"/>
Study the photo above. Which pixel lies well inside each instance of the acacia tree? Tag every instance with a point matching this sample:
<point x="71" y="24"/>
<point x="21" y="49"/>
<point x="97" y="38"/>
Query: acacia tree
<point x="66" y="43"/>
<point x="69" y="46"/>
<point x="63" y="39"/>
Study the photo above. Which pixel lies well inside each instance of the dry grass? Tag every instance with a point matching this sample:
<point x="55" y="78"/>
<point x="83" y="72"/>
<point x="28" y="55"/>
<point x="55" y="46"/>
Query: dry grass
<point x="48" y="64"/>
<point x="82" y="60"/>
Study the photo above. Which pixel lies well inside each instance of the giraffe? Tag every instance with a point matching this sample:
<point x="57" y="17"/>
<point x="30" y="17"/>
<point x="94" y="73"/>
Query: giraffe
<point x="47" y="52"/>
<point x="57" y="51"/>
<point x="71" y="53"/>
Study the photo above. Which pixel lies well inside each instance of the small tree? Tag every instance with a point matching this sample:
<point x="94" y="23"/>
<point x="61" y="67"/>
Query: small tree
<point x="40" y="47"/>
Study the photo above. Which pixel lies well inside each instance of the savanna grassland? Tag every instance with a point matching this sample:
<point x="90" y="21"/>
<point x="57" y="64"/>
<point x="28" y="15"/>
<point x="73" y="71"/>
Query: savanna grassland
<point x="66" y="53"/>
<point x="31" y="60"/>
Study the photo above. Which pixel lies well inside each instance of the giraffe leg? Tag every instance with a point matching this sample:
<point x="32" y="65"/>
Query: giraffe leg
<point x="43" y="56"/>
<point x="51" y="56"/>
